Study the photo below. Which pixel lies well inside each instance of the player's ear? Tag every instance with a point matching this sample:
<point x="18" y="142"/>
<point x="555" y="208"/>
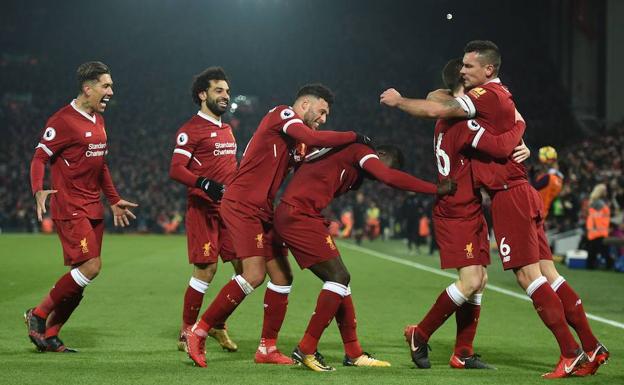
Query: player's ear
<point x="203" y="96"/>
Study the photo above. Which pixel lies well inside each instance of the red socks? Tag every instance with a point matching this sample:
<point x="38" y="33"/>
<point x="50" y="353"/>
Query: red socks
<point x="228" y="299"/>
<point x="550" y="310"/>
<point x="345" y="318"/>
<point x="447" y="303"/>
<point x="575" y="314"/>
<point x="61" y="314"/>
<point x="193" y="298"/>
<point x="275" y="305"/>
<point x="467" y="319"/>
<point x="326" y="307"/>
<point x="68" y="286"/>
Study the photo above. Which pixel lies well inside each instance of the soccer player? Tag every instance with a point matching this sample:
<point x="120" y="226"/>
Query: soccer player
<point x="247" y="210"/>
<point x="461" y="231"/>
<point x="299" y="222"/>
<point x="517" y="210"/>
<point x="204" y="159"/>
<point x="74" y="142"/>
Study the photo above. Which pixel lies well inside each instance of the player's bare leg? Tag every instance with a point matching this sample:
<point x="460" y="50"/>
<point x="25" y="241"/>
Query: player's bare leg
<point x="472" y="281"/>
<point x="228" y="299"/>
<point x="550" y="310"/>
<point x="597" y="353"/>
<point x="275" y="306"/>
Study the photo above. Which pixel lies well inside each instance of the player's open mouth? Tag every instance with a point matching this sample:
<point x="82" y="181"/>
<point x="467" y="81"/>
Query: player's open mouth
<point x="223" y="103"/>
<point x="104" y="101"/>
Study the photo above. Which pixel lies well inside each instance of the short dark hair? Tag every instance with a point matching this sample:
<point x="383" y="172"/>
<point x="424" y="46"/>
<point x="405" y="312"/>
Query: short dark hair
<point x="317" y="90"/>
<point x="395" y="154"/>
<point x="201" y="81"/>
<point x="488" y="50"/>
<point x="90" y="71"/>
<point x="451" y="75"/>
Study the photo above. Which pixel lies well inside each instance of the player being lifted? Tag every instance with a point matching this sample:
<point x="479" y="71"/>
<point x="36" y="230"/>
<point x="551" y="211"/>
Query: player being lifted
<point x="247" y="210"/>
<point x="517" y="210"/>
<point x="461" y="230"/>
<point x="204" y="159"/>
<point x="74" y="142"/>
<point x="299" y="222"/>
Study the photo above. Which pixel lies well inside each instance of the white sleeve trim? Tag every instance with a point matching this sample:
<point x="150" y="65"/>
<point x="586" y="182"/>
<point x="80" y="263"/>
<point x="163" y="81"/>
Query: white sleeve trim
<point x="477" y="137"/>
<point x="45" y="149"/>
<point x="467" y="105"/>
<point x="183" y="152"/>
<point x="367" y="157"/>
<point x="288" y="123"/>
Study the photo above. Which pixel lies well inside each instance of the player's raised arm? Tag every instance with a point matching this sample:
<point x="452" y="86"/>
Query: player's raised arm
<point x="429" y="109"/>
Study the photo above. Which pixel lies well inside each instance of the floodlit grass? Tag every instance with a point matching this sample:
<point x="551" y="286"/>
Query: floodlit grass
<point x="126" y="326"/>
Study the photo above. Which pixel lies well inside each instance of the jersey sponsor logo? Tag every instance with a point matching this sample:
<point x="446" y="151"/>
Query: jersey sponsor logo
<point x="259" y="241"/>
<point x="49" y="134"/>
<point x="477" y="92"/>
<point x="469" y="250"/>
<point x="287" y="114"/>
<point x="227" y="148"/>
<point x="84" y="247"/>
<point x="206" y="248"/>
<point x="473" y="125"/>
<point x="182" y="139"/>
<point x="330" y="242"/>
<point x="100" y="150"/>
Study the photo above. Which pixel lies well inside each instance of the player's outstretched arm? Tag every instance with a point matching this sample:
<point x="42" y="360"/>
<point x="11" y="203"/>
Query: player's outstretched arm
<point x="397" y="179"/>
<point x="310" y="137"/>
<point x="420" y="108"/>
<point x="121" y="212"/>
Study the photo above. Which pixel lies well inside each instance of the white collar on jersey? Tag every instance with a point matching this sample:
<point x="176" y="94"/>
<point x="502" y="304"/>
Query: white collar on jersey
<point x="90" y="117"/>
<point x="209" y="118"/>
<point x="495" y="80"/>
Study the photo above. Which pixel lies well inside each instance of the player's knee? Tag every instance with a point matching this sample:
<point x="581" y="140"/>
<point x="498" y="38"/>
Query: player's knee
<point x="205" y="271"/>
<point x="255" y="279"/>
<point x="91" y="268"/>
<point x="484" y="281"/>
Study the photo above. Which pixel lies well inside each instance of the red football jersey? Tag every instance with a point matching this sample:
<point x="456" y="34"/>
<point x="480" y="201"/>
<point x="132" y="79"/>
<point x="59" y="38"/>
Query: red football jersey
<point x="204" y="147"/>
<point x="268" y="155"/>
<point x="453" y="144"/>
<point x="74" y="143"/>
<point x="318" y="181"/>
<point x="493" y="104"/>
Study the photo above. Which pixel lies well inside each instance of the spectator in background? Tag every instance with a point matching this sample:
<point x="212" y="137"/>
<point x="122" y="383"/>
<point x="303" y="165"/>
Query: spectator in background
<point x="597" y="226"/>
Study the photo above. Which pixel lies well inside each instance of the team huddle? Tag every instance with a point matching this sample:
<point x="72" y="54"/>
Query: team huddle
<point x="477" y="146"/>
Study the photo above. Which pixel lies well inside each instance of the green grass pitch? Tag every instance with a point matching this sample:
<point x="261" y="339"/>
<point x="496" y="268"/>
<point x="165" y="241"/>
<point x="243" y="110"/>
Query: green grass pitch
<point x="126" y="327"/>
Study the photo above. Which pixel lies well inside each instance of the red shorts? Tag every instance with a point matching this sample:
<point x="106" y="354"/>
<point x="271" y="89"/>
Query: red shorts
<point x="81" y="239"/>
<point x="207" y="237"/>
<point x="462" y="242"/>
<point x="306" y="235"/>
<point x="518" y="219"/>
<point x="252" y="231"/>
